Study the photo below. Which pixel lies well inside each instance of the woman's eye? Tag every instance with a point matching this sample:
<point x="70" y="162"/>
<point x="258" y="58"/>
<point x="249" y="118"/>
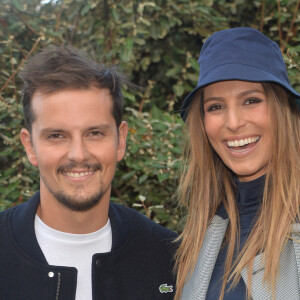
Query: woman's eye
<point x="214" y="107"/>
<point x="252" y="101"/>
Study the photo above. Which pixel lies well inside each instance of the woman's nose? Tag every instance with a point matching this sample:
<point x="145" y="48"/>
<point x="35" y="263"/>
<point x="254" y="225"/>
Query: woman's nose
<point x="234" y="119"/>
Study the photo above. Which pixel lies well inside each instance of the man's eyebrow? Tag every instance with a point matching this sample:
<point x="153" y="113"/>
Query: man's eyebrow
<point x="48" y="130"/>
<point x="240" y="95"/>
<point x="99" y="127"/>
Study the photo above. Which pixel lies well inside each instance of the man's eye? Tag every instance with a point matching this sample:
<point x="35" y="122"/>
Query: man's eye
<point x="55" y="136"/>
<point x="252" y="101"/>
<point x="95" y="133"/>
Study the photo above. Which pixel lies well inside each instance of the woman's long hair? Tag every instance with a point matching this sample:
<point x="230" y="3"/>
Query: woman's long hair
<point x="206" y="182"/>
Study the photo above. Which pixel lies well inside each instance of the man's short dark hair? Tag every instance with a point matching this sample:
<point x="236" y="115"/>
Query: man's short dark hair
<point x="65" y="68"/>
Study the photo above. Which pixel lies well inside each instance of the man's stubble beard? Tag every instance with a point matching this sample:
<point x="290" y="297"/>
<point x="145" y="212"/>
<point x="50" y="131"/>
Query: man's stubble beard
<point x="80" y="204"/>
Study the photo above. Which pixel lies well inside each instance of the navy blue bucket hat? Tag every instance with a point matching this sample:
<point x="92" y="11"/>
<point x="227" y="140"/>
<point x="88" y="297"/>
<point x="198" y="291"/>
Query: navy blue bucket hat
<point x="240" y="54"/>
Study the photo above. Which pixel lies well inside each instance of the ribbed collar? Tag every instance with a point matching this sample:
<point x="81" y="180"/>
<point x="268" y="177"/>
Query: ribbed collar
<point x="248" y="195"/>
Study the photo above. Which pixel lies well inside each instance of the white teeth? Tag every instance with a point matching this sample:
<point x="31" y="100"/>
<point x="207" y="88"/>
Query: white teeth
<point x="240" y="143"/>
<point x="74" y="174"/>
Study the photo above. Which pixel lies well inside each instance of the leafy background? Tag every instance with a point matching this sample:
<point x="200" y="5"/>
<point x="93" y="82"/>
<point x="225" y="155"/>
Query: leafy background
<point x="157" y="43"/>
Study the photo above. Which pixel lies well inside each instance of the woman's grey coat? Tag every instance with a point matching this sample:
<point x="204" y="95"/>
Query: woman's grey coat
<point x="288" y="281"/>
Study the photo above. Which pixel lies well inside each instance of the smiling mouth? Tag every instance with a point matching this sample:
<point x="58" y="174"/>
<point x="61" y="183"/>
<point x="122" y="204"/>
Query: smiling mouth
<point x="78" y="174"/>
<point x="76" y="171"/>
<point x="242" y="143"/>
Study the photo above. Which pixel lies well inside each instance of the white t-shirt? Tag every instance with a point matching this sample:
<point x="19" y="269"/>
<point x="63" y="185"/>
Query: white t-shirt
<point x="74" y="250"/>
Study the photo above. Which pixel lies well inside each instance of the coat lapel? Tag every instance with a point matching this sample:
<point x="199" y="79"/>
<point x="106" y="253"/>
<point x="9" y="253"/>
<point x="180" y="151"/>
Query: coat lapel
<point x="197" y="285"/>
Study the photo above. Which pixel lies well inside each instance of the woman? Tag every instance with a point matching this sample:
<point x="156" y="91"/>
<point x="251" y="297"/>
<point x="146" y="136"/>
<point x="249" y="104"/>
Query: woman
<point x="241" y="183"/>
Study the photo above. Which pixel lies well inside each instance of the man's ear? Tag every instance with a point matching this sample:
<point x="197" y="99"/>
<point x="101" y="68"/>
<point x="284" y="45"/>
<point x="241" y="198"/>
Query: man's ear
<point x="123" y="130"/>
<point x="26" y="141"/>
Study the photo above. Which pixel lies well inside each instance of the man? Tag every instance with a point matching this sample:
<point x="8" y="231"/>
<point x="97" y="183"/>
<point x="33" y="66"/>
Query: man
<point x="68" y="241"/>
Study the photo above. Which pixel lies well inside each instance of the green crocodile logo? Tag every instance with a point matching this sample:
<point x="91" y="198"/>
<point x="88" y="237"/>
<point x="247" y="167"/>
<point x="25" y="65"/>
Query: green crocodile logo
<point x="164" y="288"/>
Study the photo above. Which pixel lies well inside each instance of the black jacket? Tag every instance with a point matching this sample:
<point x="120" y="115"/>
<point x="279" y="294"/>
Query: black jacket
<point x="139" y="263"/>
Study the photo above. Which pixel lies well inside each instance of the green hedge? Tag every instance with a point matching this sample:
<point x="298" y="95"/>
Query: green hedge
<point x="158" y="43"/>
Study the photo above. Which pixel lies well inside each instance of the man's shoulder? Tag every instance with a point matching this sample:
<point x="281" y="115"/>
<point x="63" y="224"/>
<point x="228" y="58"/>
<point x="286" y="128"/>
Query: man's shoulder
<point x="5" y="214"/>
<point x="142" y="224"/>
<point x="5" y="224"/>
<point x="28" y="206"/>
<point x="18" y="219"/>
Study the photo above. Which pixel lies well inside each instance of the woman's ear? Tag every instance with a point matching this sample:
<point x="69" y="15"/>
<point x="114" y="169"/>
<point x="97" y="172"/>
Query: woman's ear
<point x="27" y="143"/>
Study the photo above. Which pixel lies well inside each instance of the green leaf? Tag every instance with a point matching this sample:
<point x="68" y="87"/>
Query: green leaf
<point x="157" y="113"/>
<point x="127" y="176"/>
<point x="163" y="177"/>
<point x="174" y="71"/>
<point x="129" y="96"/>
<point x="134" y="148"/>
<point x="85" y="9"/>
<point x="178" y="89"/>
<point x="143" y="178"/>
<point x="17" y="5"/>
<point x="127" y="51"/>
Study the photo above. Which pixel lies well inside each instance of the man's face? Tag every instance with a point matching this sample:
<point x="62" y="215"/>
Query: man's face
<point x="76" y="145"/>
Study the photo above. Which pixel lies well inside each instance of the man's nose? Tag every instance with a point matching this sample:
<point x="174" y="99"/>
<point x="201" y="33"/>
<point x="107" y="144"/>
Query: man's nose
<point x="77" y="151"/>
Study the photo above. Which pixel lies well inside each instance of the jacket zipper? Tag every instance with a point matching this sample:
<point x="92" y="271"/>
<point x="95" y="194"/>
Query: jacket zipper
<point x="58" y="285"/>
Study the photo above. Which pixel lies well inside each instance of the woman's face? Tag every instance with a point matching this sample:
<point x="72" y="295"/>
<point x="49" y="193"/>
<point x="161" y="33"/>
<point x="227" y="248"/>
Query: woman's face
<point x="237" y="123"/>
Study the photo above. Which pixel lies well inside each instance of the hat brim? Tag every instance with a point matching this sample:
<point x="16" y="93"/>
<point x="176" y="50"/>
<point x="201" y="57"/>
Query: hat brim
<point x="235" y="72"/>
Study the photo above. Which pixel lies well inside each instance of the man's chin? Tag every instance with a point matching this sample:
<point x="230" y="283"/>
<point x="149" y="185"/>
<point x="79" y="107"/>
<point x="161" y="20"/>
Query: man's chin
<point x="79" y="204"/>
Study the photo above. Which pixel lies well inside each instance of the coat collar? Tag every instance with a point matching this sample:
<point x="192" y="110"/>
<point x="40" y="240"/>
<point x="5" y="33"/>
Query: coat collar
<point x="22" y="225"/>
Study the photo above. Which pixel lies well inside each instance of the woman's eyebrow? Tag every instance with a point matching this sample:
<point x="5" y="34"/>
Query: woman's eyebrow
<point x="212" y="99"/>
<point x="248" y="92"/>
<point x="242" y="94"/>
